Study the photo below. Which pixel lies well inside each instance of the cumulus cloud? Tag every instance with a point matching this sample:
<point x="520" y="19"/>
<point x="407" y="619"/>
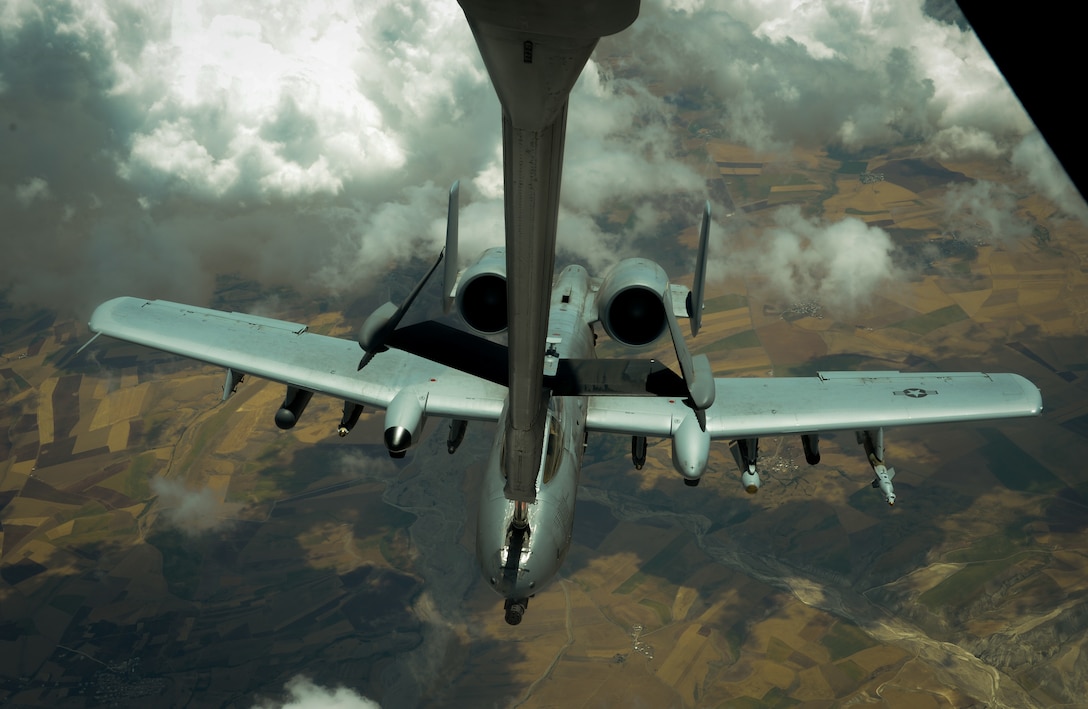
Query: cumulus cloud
<point x="825" y="74"/>
<point x="367" y="467"/>
<point x="304" y="694"/>
<point x="192" y="139"/>
<point x="150" y="147"/>
<point x="965" y="142"/>
<point x="840" y="264"/>
<point x="190" y="511"/>
<point x="984" y="211"/>
<point x="31" y="191"/>
<point x="1044" y="173"/>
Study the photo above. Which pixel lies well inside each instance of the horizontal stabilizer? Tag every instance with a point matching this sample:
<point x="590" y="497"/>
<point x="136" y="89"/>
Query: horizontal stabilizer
<point x="454" y="348"/>
<point x="615" y="377"/>
<point x="483" y="358"/>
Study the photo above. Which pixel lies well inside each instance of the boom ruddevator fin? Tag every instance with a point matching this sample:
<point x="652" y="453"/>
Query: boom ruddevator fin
<point x="449" y="275"/>
<point x="695" y="296"/>
<point x="378" y="328"/>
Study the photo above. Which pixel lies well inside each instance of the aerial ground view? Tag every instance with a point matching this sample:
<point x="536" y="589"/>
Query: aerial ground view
<point x="163" y="547"/>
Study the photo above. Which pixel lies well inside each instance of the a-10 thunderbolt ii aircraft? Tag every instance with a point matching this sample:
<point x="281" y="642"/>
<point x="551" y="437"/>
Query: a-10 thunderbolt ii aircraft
<point x="545" y="389"/>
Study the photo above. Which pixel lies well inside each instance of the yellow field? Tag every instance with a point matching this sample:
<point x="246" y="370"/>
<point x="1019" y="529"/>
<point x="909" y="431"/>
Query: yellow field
<point x="45" y="411"/>
<point x="120" y="405"/>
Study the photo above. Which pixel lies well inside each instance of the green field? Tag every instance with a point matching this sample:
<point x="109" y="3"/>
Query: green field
<point x="1013" y="467"/>
<point x="729" y="301"/>
<point x="962" y="586"/>
<point x="843" y="640"/>
<point x="830" y="363"/>
<point x="748" y="338"/>
<point x="995" y="546"/>
<point x="925" y="324"/>
<point x="182" y="559"/>
<point x="664" y="614"/>
<point x="660" y="565"/>
<point x="853" y="167"/>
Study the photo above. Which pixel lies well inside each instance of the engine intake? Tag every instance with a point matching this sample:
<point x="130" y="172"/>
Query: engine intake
<point x="632" y="302"/>
<point x="481" y="294"/>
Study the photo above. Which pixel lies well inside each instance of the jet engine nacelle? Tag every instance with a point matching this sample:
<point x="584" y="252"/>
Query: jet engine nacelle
<point x="481" y="293"/>
<point x="631" y="302"/>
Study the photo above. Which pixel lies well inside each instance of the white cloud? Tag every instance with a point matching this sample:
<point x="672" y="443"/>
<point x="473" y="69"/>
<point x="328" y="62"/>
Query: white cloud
<point x="190" y="511"/>
<point x="840" y="264"/>
<point x="171" y="156"/>
<point x="31" y="191"/>
<point x="311" y="144"/>
<point x="789" y="72"/>
<point x="304" y="694"/>
<point x="365" y="466"/>
<point x="262" y="101"/>
<point x="984" y="211"/>
<point x="965" y="142"/>
<point x="1043" y="171"/>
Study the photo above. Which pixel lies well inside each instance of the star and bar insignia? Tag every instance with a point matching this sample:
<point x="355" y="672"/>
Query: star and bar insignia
<point x="916" y="393"/>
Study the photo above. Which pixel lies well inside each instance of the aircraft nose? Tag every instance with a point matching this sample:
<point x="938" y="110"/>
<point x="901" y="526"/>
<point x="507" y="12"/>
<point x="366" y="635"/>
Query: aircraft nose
<point x="508" y="582"/>
<point x="510" y="585"/>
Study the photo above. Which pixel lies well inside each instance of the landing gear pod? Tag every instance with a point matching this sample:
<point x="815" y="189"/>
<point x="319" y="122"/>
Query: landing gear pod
<point x="690" y="449"/>
<point x="403" y="421"/>
<point x="376" y="328"/>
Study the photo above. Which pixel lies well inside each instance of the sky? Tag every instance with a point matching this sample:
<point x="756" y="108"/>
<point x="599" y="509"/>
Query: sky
<point x="149" y="147"/>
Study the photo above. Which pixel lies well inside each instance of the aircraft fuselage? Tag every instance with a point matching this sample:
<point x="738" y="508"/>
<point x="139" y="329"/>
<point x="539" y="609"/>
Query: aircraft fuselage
<point x="520" y="546"/>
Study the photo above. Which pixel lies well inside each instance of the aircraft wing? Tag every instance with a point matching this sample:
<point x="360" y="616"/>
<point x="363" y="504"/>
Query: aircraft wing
<point x="743" y="407"/>
<point x="830" y="401"/>
<point x="285" y="352"/>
